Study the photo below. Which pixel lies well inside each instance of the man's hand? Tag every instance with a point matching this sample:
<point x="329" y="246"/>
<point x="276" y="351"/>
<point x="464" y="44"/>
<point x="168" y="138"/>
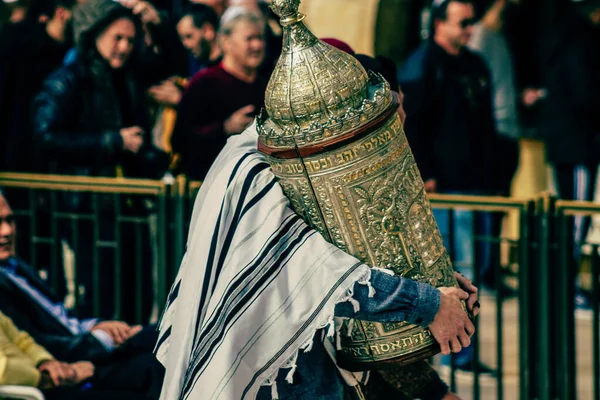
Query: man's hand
<point x="133" y="138"/>
<point x="84" y="370"/>
<point x="134" y="330"/>
<point x="531" y="96"/>
<point x="146" y="11"/>
<point x="239" y="120"/>
<point x="431" y="186"/>
<point x="119" y="332"/>
<point x="166" y="93"/>
<point x="465" y="284"/>
<point x="60" y="373"/>
<point x="451" y="396"/>
<point x="451" y="327"/>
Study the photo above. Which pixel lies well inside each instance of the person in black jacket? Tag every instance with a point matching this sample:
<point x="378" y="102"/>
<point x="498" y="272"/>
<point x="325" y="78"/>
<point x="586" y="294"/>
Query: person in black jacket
<point x="122" y="354"/>
<point x="451" y="130"/>
<point x="569" y="113"/>
<point x="31" y="53"/>
<point x="90" y="116"/>
<point x="91" y="119"/>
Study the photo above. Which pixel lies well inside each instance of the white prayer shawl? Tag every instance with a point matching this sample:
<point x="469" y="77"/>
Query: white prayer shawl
<point x="255" y="284"/>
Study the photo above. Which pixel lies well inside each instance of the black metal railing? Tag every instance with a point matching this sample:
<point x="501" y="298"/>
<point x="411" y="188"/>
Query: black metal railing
<point x="126" y="235"/>
<point x="503" y="255"/>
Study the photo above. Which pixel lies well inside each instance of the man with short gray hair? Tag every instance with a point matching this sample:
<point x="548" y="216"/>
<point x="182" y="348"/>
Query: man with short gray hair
<point x="222" y="100"/>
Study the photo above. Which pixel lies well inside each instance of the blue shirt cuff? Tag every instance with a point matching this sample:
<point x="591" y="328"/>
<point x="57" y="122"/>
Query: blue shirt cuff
<point x="396" y="299"/>
<point x="426" y="305"/>
<point x="87" y="324"/>
<point x="104" y="339"/>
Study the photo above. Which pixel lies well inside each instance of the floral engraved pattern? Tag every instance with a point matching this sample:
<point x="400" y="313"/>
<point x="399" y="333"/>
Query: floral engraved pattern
<point x="401" y="230"/>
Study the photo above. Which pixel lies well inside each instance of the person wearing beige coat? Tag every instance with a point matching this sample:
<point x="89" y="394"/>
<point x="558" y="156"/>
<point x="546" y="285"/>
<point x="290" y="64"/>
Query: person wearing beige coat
<point x="25" y="363"/>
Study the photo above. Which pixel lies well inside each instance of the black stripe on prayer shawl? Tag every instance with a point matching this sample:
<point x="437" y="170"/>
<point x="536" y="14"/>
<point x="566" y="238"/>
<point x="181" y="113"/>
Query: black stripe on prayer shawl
<point x="244" y="303"/>
<point x="258" y="197"/>
<point x="213" y="245"/>
<point x="248" y="274"/>
<point x="173" y="295"/>
<point x="162" y="339"/>
<point x="249" y="179"/>
<point x="302" y="329"/>
<point x="216" y="326"/>
<point x="255" y="269"/>
<point x="254" y="171"/>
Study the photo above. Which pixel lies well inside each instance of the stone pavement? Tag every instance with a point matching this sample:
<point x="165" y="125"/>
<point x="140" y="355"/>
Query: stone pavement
<point x="487" y="329"/>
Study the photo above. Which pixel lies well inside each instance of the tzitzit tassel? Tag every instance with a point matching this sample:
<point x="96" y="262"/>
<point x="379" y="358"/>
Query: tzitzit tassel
<point x="355" y="304"/>
<point x="385" y="271"/>
<point x="371" y="288"/>
<point x="350" y="327"/>
<point x="307" y="346"/>
<point x="331" y="330"/>
<point x="290" y="376"/>
<point x="274" y="392"/>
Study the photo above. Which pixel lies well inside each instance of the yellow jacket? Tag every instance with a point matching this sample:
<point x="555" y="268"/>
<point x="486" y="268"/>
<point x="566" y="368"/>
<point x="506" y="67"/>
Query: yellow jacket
<point x="19" y="355"/>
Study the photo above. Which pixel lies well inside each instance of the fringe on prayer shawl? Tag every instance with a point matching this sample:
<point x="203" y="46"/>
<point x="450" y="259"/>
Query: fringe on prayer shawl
<point x="333" y="326"/>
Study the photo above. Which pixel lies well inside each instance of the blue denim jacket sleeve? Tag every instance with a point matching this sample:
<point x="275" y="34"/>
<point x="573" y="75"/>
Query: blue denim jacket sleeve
<point x="396" y="299"/>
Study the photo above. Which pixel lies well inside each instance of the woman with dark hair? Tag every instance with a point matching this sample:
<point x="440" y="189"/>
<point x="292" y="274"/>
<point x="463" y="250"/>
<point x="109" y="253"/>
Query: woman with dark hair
<point x="91" y="119"/>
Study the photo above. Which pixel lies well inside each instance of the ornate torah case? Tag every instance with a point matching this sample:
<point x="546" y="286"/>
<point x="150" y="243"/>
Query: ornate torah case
<point x="335" y="141"/>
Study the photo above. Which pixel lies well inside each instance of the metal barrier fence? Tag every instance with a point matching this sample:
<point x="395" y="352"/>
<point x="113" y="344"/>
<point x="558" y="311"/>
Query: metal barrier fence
<point x="104" y="243"/>
<point x="88" y="229"/>
<point x="502" y="255"/>
<point x="566" y="343"/>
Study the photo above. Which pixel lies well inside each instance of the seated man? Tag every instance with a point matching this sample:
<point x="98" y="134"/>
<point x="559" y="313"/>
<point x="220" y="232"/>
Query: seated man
<point x="117" y="349"/>
<point x="25" y="363"/>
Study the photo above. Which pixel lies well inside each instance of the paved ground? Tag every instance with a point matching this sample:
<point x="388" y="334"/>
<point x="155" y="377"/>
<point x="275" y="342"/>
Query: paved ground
<point x="487" y="328"/>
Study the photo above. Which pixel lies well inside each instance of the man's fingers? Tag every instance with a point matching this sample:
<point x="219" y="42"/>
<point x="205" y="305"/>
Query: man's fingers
<point x="139" y="8"/>
<point x="124" y="332"/>
<point x="54" y="376"/>
<point x="70" y="374"/>
<point x="464" y="283"/>
<point x="462" y="295"/>
<point x="469" y="328"/>
<point x="116" y="335"/>
<point x="65" y="374"/>
<point x="246" y="110"/>
<point x="471" y="303"/>
<point x="134" y="331"/>
<point x="123" y="329"/>
<point x="445" y="348"/>
<point x="57" y="374"/>
<point x="464" y="339"/>
<point x="455" y="344"/>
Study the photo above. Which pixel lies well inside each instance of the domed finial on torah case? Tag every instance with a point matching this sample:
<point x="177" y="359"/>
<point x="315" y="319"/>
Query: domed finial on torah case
<point x="287" y="10"/>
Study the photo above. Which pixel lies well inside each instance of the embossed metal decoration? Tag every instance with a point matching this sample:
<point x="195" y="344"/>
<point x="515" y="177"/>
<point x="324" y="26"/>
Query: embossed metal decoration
<point x="334" y="139"/>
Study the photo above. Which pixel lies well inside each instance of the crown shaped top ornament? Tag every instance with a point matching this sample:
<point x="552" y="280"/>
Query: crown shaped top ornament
<point x="286" y="9"/>
<point x="317" y="94"/>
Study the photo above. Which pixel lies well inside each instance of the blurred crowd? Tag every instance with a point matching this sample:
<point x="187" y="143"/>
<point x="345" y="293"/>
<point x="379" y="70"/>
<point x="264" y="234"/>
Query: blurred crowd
<point x="125" y="88"/>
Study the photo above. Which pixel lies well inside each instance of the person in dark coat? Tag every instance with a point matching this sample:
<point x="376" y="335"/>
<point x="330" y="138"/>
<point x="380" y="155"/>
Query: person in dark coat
<point x="451" y="130"/>
<point x="122" y="354"/>
<point x="33" y="51"/>
<point x="91" y="119"/>
<point x="569" y="113"/>
<point x="90" y="116"/>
